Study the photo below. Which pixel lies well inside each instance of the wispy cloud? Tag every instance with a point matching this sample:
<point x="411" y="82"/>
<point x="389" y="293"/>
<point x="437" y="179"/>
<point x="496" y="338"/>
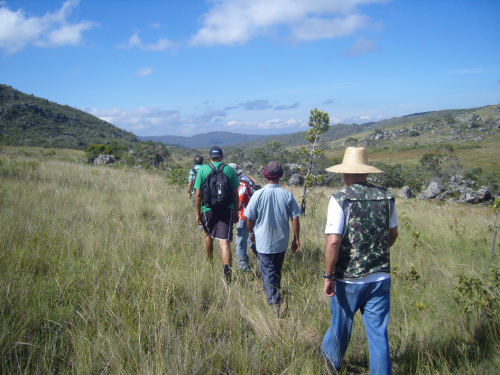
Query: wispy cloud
<point x="17" y="29"/>
<point x="209" y="114"/>
<point x="362" y="46"/>
<point x="144" y="72"/>
<point x="476" y="70"/>
<point x="232" y="22"/>
<point x="329" y="101"/>
<point x="256" y="105"/>
<point x="283" y="107"/>
<point x="135" y="42"/>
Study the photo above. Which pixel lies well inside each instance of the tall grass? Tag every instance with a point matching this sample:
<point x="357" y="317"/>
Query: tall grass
<point x="103" y="271"/>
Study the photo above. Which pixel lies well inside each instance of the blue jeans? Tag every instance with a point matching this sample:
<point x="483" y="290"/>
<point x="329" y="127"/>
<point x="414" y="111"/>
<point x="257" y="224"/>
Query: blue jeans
<point x="270" y="267"/>
<point x="373" y="300"/>
<point x="241" y="245"/>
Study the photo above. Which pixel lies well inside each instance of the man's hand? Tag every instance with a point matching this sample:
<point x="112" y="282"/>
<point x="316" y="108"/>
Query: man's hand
<point x="252" y="238"/>
<point x="329" y="287"/>
<point x="295" y="245"/>
<point x="198" y="219"/>
<point x="236" y="216"/>
<point x="190" y="195"/>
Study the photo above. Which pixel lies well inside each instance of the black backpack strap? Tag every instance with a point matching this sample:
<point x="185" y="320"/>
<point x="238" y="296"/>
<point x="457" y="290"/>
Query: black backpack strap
<point x="221" y="167"/>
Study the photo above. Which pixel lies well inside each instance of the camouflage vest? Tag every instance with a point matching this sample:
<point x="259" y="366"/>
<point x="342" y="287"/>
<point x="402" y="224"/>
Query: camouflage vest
<point x="364" y="248"/>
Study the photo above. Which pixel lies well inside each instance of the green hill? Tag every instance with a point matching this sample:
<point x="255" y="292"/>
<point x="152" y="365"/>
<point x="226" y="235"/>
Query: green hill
<point x="27" y="120"/>
<point x="205" y="140"/>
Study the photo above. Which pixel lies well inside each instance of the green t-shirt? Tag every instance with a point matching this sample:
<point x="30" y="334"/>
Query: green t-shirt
<point x="203" y="173"/>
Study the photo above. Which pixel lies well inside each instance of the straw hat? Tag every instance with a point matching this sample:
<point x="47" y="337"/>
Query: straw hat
<point x="355" y="162"/>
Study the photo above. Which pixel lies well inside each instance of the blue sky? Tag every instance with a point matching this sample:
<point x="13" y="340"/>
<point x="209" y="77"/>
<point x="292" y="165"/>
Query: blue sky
<point x="184" y="67"/>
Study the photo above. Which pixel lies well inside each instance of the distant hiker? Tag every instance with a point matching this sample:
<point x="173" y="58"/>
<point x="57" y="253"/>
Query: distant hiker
<point x="216" y="198"/>
<point x="268" y="213"/>
<point x="198" y="161"/>
<point x="245" y="192"/>
<point x="362" y="225"/>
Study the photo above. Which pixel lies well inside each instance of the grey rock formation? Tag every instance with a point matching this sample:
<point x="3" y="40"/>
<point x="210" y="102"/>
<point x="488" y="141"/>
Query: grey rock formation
<point x="296" y="179"/>
<point x="104" y="159"/>
<point x="405" y="192"/>
<point x="432" y="191"/>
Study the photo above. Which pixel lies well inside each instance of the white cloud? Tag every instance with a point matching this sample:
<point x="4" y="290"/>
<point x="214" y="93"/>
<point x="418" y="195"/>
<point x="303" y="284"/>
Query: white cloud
<point x="17" y="29"/>
<point x="476" y="70"/>
<point x="362" y="46"/>
<point x="135" y="42"/>
<point x="155" y="121"/>
<point x="233" y="22"/>
<point x="144" y="72"/>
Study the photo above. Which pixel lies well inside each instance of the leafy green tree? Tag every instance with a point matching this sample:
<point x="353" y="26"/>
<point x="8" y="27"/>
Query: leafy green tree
<point x="319" y="122"/>
<point x="432" y="162"/>
<point x="93" y="151"/>
<point x="153" y="153"/>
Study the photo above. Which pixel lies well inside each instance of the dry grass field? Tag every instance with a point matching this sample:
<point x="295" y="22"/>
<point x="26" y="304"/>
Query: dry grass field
<point x="103" y="272"/>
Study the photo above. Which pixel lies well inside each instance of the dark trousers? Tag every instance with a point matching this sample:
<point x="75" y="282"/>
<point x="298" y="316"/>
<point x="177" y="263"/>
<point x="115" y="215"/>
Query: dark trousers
<point x="270" y="267"/>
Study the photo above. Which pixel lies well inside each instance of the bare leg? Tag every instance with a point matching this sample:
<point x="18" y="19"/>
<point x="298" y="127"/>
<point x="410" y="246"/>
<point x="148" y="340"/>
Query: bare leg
<point x="209" y="246"/>
<point x="226" y="251"/>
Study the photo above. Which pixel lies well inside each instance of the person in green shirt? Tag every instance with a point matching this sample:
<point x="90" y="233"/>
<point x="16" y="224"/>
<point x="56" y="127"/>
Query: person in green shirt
<point x="217" y="223"/>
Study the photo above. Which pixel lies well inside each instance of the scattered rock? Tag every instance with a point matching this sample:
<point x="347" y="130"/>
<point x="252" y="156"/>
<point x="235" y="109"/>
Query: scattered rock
<point x="405" y="192"/>
<point x="432" y="191"/>
<point x="296" y="179"/>
<point x="104" y="159"/>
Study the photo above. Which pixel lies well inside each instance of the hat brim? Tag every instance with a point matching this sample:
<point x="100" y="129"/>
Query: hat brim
<point x="353" y="169"/>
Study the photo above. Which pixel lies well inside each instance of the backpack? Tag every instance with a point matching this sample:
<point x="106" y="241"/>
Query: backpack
<point x="216" y="190"/>
<point x="195" y="172"/>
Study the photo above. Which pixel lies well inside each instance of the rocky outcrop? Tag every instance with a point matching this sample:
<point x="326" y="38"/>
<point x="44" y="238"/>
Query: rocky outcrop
<point x="433" y="190"/>
<point x="405" y="192"/>
<point x="457" y="185"/>
<point x="104" y="159"/>
<point x="296" y="179"/>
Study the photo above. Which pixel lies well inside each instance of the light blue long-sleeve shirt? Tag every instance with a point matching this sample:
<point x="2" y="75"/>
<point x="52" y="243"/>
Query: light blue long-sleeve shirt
<point x="271" y="208"/>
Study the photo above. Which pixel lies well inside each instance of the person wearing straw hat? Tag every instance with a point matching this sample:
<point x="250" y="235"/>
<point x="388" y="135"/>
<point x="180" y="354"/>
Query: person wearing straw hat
<point x="361" y="227"/>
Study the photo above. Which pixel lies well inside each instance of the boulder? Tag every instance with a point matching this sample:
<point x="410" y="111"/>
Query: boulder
<point x="432" y="191"/>
<point x="296" y="179"/>
<point x="104" y="159"/>
<point x="405" y="192"/>
<point x="484" y="193"/>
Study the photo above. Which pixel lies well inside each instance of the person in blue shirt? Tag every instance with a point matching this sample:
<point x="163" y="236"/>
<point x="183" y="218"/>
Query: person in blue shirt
<point x="268" y="214"/>
<point x="198" y="162"/>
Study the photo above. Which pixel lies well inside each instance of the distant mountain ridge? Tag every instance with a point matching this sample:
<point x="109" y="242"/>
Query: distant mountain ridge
<point x="206" y="140"/>
<point x="27" y="120"/>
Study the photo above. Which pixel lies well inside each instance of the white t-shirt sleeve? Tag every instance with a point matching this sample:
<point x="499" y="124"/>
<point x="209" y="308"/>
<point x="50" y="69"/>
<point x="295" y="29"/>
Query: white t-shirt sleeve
<point x="335" y="218"/>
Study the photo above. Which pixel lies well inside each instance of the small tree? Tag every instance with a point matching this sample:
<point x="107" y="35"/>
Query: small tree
<point x="319" y="122"/>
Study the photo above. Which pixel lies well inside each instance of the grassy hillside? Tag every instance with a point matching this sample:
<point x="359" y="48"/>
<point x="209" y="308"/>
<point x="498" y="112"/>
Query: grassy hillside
<point x="26" y="120"/>
<point x="103" y="271"/>
<point x="203" y="141"/>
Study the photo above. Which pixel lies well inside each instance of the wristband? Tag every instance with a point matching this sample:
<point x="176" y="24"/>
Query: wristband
<point x="328" y="277"/>
<point x="251" y="234"/>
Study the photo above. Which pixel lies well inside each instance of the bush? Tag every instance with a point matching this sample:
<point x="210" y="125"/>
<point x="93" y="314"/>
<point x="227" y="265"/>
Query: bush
<point x="393" y="176"/>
